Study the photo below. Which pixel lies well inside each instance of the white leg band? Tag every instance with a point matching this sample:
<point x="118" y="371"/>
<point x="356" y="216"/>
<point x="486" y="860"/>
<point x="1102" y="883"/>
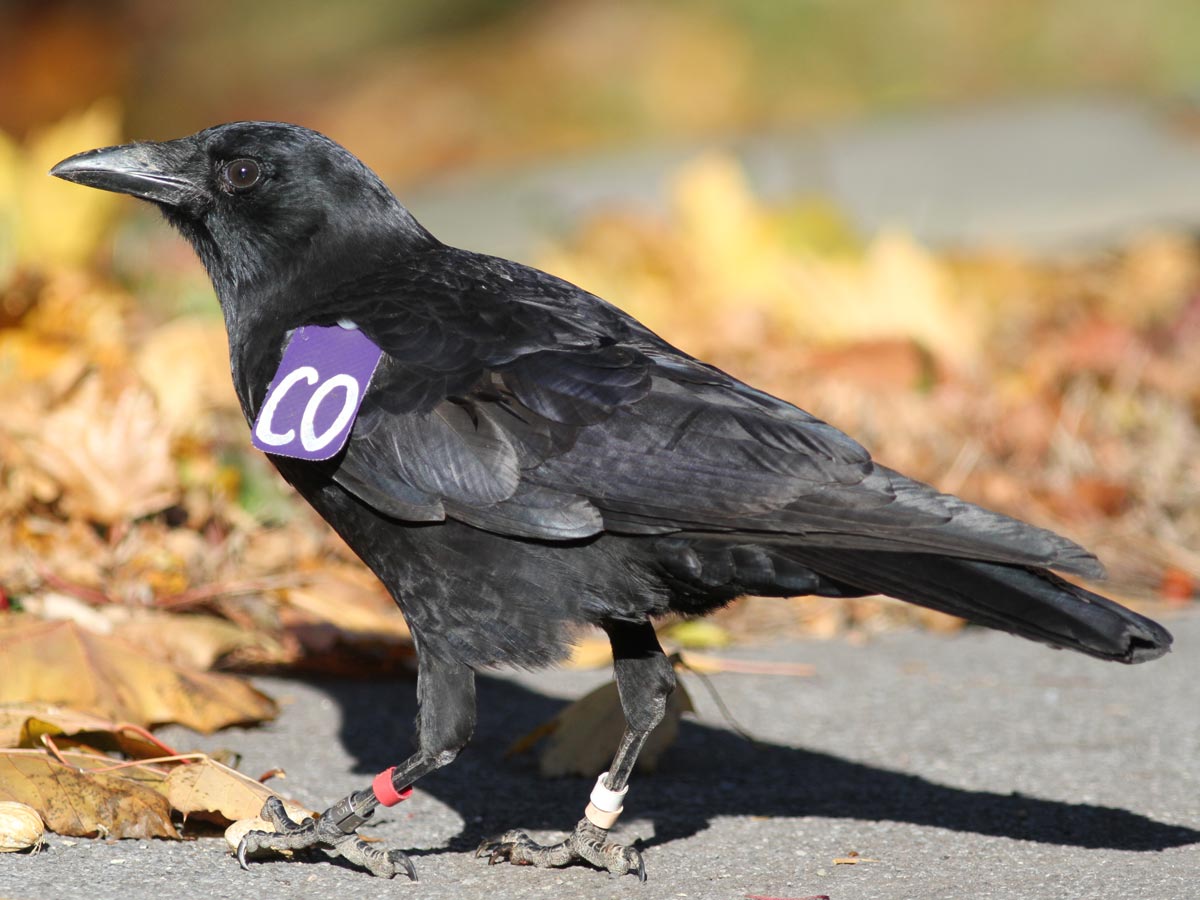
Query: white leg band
<point x="606" y="806"/>
<point x="603" y="798"/>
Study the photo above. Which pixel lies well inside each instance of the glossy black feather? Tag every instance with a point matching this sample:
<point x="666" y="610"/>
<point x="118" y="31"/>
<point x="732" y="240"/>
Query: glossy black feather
<point x="529" y="458"/>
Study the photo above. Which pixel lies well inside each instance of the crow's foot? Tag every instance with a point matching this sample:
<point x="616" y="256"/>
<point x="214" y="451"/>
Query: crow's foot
<point x="321" y="834"/>
<point x="587" y="842"/>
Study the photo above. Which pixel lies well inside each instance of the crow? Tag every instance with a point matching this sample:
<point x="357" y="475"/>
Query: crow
<point x="515" y="458"/>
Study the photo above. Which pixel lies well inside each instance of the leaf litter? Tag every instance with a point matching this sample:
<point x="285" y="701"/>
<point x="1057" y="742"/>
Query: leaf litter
<point x="132" y="514"/>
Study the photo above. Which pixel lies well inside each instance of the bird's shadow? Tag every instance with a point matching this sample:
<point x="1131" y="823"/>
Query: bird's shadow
<point x="709" y="772"/>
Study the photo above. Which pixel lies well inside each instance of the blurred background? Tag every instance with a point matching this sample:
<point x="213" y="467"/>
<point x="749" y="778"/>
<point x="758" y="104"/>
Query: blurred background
<point x="963" y="232"/>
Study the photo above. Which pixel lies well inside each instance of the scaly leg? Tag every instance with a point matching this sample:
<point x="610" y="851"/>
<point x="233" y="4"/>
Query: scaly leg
<point x="645" y="680"/>
<point x="445" y="720"/>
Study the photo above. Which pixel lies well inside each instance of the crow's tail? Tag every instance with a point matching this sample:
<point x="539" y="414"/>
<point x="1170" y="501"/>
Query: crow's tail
<point x="1032" y="603"/>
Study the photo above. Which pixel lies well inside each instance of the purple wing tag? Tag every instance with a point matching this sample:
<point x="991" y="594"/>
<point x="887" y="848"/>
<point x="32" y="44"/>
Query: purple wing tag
<point x="316" y="393"/>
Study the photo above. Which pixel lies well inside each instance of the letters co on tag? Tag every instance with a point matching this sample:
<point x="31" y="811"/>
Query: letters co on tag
<point x="316" y="393"/>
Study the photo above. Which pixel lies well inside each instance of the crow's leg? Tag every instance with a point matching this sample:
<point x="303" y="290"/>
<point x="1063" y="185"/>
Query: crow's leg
<point x="645" y="679"/>
<point x="445" y="720"/>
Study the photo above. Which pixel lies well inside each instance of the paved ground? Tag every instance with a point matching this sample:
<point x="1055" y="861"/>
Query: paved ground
<point x="1060" y="175"/>
<point x="975" y="766"/>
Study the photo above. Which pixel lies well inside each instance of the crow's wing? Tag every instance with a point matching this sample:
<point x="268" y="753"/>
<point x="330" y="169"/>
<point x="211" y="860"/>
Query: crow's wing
<point x="535" y="410"/>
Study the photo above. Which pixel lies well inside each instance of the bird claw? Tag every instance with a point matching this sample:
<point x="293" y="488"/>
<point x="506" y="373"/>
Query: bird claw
<point x="587" y="843"/>
<point x="321" y="834"/>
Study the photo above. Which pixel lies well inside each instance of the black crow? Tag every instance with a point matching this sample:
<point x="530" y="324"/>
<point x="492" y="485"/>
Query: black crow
<point x="513" y="457"/>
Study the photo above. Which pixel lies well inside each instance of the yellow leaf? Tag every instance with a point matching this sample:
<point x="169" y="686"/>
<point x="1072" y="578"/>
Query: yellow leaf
<point x="57" y="224"/>
<point x="590" y="653"/>
<point x="15" y="722"/>
<point x="897" y="291"/>
<point x="10" y="174"/>
<point x="58" y="662"/>
<point x="28" y="724"/>
<point x="701" y="634"/>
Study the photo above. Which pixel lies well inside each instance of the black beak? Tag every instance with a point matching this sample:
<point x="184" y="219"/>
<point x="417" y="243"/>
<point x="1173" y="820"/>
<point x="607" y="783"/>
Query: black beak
<point x="142" y="170"/>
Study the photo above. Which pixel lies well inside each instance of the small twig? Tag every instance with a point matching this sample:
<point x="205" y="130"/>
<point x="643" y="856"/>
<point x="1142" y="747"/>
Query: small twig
<point x="48" y="743"/>
<point x="964" y="464"/>
<point x="119" y="531"/>
<point x="88" y="595"/>
<point x="712" y="692"/>
<point x="146" y="736"/>
<point x="195" y="596"/>
<point x="153" y="761"/>
<point x="706" y="663"/>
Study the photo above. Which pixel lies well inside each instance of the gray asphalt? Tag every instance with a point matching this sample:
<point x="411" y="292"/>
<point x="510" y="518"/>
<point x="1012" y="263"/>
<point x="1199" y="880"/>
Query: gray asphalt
<point x="1063" y="175"/>
<point x="972" y="766"/>
<point x="965" y="766"/>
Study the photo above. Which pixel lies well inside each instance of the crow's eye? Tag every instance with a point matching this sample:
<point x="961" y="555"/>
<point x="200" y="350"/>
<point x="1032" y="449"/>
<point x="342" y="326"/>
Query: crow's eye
<point x="242" y="174"/>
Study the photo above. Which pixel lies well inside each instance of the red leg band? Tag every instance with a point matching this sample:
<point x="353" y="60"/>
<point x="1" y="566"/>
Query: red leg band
<point x="385" y="792"/>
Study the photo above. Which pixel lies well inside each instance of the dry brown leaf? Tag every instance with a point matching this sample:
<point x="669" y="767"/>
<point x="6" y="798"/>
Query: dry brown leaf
<point x="88" y="315"/>
<point x="26" y="357"/>
<point x="351" y="599"/>
<point x="58" y="662"/>
<point x="582" y="738"/>
<point x="220" y="794"/>
<point x="72" y="800"/>
<point x="190" y="640"/>
<point x="110" y="456"/>
<point x="186" y="364"/>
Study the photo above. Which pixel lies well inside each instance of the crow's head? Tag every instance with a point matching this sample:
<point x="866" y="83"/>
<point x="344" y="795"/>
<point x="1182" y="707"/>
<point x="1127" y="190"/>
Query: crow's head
<point x="258" y="200"/>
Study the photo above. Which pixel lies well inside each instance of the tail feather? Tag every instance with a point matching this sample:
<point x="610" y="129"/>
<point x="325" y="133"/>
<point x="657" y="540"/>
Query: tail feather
<point x="1033" y="603"/>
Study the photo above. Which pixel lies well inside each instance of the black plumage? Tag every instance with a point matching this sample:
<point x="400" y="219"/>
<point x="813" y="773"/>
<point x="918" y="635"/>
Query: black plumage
<point x="528" y="458"/>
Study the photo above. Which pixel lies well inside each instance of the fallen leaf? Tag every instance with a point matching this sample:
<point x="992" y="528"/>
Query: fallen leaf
<point x="110" y="455"/>
<point x="40" y="205"/>
<point x="697" y="633"/>
<point x="15" y="717"/>
<point x="75" y="801"/>
<point x="235" y="832"/>
<point x="1178" y="586"/>
<point x="351" y="599"/>
<point x="186" y="364"/>
<point x="190" y="640"/>
<point x="884" y="364"/>
<point x="590" y="653"/>
<point x="582" y="738"/>
<point x="27" y="725"/>
<point x="221" y="794"/>
<point x="58" y="662"/>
